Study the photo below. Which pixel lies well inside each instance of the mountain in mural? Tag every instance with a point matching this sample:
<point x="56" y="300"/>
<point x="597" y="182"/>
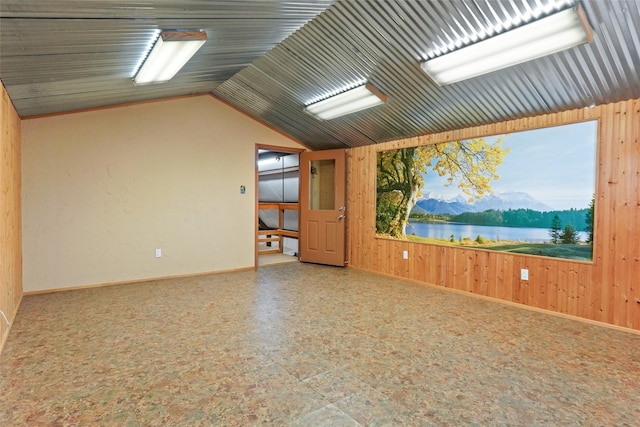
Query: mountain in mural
<point x="435" y="204"/>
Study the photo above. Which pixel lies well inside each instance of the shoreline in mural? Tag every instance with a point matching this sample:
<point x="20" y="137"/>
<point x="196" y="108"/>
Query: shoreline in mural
<point x="528" y="192"/>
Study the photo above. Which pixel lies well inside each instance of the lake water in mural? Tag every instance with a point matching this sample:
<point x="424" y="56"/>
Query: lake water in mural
<point x="462" y="231"/>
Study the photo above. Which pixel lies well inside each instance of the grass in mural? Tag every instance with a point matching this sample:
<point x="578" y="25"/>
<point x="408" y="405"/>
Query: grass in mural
<point x="578" y="252"/>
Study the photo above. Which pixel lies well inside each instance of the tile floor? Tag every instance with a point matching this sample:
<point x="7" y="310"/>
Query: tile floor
<point x="270" y="259"/>
<point x="307" y="345"/>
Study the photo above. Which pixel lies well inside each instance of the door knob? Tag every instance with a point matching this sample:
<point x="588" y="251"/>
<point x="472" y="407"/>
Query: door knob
<point x="341" y="208"/>
<point x="340" y="216"/>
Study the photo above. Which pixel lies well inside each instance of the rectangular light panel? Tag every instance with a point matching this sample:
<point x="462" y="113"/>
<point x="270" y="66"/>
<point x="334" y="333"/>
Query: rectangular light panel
<point x="169" y="54"/>
<point x="356" y="99"/>
<point x="545" y="36"/>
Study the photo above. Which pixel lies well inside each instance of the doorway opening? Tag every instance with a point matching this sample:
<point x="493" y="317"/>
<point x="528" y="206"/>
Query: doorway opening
<point x="277" y="207"/>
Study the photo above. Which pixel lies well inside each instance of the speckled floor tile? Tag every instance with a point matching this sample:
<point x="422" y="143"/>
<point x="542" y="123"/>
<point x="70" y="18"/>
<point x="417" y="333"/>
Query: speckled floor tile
<point x="370" y="407"/>
<point x="329" y="416"/>
<point x="335" y="384"/>
<point x="308" y="345"/>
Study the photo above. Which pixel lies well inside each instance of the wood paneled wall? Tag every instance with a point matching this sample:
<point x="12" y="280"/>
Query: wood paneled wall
<point x="607" y="290"/>
<point x="10" y="214"/>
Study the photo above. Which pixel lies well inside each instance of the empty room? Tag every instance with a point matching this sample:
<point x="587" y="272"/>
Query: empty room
<point x="320" y="213"/>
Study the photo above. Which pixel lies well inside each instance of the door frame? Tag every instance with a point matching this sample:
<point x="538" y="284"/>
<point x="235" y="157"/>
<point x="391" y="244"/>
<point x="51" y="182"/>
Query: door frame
<point x="256" y="203"/>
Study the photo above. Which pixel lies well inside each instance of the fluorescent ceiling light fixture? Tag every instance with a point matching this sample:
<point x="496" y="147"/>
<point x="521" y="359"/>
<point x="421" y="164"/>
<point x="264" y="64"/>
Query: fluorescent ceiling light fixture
<point x="169" y="54"/>
<point x="554" y="33"/>
<point x="356" y="99"/>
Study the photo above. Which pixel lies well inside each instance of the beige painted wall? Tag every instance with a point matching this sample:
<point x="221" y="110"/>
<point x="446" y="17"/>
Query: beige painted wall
<point x="103" y="189"/>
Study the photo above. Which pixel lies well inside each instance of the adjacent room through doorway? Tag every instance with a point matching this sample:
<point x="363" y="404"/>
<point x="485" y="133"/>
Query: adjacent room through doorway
<point x="278" y="184"/>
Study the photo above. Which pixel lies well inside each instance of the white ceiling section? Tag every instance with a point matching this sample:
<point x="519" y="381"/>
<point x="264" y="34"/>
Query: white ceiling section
<point x="272" y="58"/>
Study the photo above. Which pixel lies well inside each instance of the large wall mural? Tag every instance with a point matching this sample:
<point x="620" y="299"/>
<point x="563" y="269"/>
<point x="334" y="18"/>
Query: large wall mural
<point x="528" y="192"/>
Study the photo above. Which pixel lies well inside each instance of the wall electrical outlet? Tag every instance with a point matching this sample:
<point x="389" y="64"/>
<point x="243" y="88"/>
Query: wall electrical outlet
<point x="524" y="274"/>
<point x="158" y="253"/>
<point x="405" y="254"/>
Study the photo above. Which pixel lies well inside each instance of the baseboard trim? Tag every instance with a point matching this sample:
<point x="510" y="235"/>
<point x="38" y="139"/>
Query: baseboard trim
<point x="509" y="303"/>
<point x="128" y="282"/>
<point x="5" y="336"/>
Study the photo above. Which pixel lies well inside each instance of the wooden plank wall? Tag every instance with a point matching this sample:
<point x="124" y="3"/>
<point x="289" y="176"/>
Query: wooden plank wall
<point x="10" y="214"/>
<point x="607" y="290"/>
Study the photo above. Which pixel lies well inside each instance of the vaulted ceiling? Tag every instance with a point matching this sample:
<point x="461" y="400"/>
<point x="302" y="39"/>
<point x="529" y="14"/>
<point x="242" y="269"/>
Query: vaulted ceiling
<point x="271" y="58"/>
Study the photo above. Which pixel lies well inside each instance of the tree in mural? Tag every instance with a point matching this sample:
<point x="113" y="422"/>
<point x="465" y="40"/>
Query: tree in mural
<point x="589" y="220"/>
<point x="472" y="164"/>
<point x="556" y="229"/>
<point x="569" y="235"/>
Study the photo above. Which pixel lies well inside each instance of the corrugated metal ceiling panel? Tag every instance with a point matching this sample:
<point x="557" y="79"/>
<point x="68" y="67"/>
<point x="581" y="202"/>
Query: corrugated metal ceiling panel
<point x="264" y="60"/>
<point x="69" y="55"/>
<point x="384" y="42"/>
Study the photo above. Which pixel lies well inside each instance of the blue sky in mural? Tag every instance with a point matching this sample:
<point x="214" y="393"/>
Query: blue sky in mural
<point x="555" y="166"/>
